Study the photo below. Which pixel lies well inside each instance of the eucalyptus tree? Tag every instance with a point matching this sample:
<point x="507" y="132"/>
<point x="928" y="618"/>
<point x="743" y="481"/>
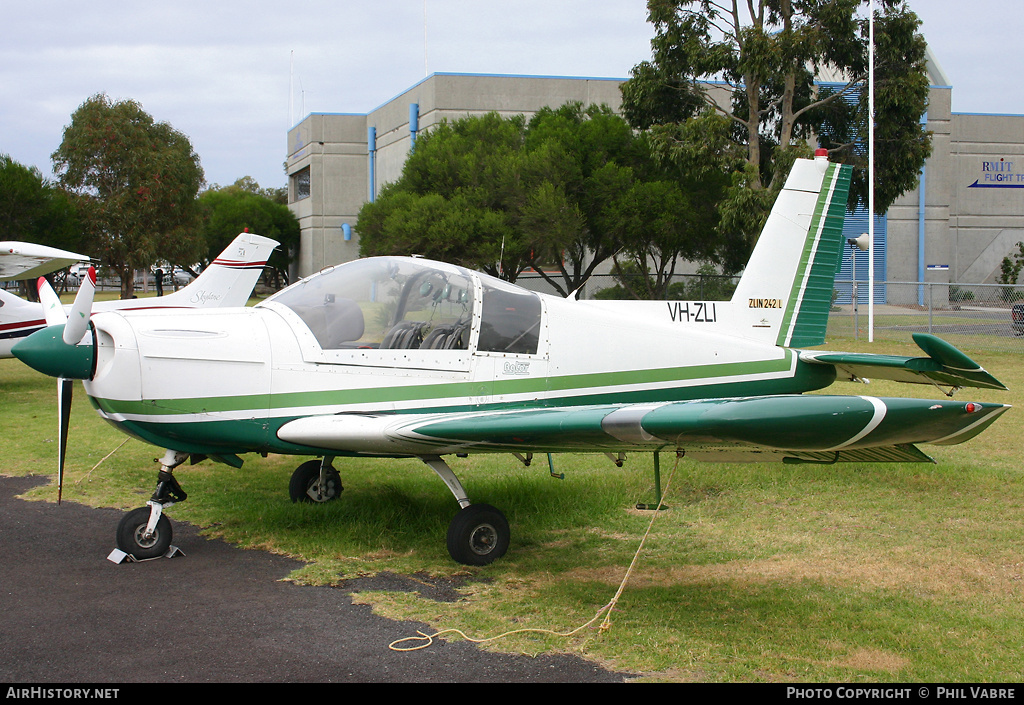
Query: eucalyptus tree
<point x="768" y="58"/>
<point x="134" y="182"/>
<point x="226" y="211"/>
<point x="33" y="209"/>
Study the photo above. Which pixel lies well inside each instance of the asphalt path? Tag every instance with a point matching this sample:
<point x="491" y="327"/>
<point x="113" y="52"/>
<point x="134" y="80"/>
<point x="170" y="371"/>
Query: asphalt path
<point x="219" y="614"/>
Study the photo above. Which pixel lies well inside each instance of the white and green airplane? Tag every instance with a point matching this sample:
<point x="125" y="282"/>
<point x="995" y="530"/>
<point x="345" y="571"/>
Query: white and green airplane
<point x="405" y="357"/>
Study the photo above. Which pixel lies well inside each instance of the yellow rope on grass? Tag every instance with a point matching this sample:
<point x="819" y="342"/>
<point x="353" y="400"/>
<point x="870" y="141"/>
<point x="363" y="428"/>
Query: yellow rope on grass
<point x="88" y="474"/>
<point x="428" y="639"/>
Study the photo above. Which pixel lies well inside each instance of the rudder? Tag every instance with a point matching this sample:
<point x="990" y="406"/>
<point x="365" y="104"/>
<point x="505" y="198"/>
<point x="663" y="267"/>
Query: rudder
<point x="786" y="290"/>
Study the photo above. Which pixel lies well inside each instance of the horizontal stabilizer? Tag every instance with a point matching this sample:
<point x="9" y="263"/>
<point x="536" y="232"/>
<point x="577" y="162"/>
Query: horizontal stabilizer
<point x="944" y="366"/>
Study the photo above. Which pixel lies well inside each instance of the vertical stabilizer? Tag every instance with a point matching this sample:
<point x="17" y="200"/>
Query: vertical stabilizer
<point x="785" y="293"/>
<point x="229" y="279"/>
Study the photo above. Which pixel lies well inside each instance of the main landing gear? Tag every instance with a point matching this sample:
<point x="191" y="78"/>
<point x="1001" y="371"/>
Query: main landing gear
<point x="145" y="532"/>
<point x="315" y="481"/>
<point x="478" y="535"/>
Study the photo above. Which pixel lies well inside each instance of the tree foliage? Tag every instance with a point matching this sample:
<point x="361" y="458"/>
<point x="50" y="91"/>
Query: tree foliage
<point x="766" y="55"/>
<point x="229" y="210"/>
<point x="134" y="182"/>
<point x="32" y="209"/>
<point x="560" y="194"/>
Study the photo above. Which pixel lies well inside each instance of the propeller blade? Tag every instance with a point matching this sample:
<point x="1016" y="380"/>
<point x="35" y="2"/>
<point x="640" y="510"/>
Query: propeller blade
<point x="65" y="387"/>
<point x="53" y="310"/>
<point x="74" y="331"/>
<point x="81" y="310"/>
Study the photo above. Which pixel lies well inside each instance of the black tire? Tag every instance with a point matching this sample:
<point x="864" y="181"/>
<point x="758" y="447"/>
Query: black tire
<point x="478" y="535"/>
<point x="130" y="535"/>
<point x="305" y="478"/>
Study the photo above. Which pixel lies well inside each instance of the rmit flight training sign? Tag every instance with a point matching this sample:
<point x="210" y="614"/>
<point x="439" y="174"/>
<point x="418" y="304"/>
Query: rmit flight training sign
<point x="998" y="174"/>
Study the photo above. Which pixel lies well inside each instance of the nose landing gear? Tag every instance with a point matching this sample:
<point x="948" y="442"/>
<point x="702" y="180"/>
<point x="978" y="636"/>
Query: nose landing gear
<point x="145" y="532"/>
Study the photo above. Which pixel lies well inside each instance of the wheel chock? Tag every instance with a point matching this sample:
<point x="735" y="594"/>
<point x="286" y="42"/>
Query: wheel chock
<point x="118" y="556"/>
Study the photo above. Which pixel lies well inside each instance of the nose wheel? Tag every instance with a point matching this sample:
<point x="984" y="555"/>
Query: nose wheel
<point x="135" y="539"/>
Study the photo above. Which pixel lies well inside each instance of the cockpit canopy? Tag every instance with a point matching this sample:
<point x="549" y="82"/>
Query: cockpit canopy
<point x="405" y="303"/>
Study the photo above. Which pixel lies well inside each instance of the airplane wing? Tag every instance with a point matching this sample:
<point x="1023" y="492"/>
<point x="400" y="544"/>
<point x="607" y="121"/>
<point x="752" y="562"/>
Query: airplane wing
<point x="27" y="260"/>
<point x="790" y="428"/>
<point x="944" y="366"/>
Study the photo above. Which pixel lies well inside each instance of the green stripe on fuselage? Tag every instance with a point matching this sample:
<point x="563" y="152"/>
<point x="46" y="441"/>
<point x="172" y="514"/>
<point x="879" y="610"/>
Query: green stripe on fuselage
<point x="206" y="433"/>
<point x="582" y="385"/>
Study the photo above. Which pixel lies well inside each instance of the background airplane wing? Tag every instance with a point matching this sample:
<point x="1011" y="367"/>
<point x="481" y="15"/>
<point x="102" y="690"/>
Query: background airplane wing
<point x="27" y="260"/>
<point x="944" y="366"/>
<point x="791" y="428"/>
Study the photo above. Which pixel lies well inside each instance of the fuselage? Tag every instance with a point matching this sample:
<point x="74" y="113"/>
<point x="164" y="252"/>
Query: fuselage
<point x="18" y="320"/>
<point x="395" y="335"/>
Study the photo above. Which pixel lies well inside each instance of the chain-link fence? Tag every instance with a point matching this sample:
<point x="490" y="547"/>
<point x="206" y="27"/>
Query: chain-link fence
<point x="970" y="316"/>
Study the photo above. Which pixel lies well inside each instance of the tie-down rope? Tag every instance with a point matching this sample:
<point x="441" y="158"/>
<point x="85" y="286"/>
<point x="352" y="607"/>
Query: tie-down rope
<point x="606" y="610"/>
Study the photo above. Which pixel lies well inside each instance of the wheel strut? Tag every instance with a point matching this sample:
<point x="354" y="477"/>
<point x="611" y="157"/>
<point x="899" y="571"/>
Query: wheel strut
<point x="167" y="492"/>
<point x="146" y="533"/>
<point x="448" y="477"/>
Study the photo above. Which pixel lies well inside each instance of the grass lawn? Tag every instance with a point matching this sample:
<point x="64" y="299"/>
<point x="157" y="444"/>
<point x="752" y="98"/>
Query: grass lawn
<point x="839" y="573"/>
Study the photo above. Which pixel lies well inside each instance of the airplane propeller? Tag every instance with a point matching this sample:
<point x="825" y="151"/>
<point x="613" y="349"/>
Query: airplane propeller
<point x="75" y="328"/>
<point x="81" y="310"/>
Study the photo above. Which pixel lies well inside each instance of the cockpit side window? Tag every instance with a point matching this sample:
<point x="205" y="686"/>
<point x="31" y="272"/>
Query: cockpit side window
<point x="510" y="321"/>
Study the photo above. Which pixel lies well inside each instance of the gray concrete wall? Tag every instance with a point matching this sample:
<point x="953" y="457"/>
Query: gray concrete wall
<point x="903" y="262"/>
<point x="986" y="194"/>
<point x="334" y="146"/>
<point x="966" y="227"/>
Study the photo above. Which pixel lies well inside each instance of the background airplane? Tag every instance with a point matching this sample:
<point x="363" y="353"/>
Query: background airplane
<point x="227" y="281"/>
<point x="27" y="260"/>
<point x="404" y="357"/>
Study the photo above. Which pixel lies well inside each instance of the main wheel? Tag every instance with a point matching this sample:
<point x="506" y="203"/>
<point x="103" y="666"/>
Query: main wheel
<point x="478" y="535"/>
<point x="304" y="485"/>
<point x="131" y="535"/>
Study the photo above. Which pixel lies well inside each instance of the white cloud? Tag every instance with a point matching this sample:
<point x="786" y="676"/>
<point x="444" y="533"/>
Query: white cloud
<point x="220" y="70"/>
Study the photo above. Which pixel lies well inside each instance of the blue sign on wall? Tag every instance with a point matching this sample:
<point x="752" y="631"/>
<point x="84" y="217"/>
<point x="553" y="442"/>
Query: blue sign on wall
<point x="998" y="174"/>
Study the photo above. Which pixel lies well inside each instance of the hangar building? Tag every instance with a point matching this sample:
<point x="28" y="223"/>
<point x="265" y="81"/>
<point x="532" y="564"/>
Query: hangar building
<point x="967" y="214"/>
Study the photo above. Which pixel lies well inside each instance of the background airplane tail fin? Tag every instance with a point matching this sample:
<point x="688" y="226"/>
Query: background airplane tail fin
<point x="229" y="279"/>
<point x="785" y="293"/>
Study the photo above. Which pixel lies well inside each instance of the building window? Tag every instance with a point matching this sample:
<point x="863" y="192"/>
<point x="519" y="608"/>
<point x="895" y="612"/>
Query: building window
<point x="300" y="185"/>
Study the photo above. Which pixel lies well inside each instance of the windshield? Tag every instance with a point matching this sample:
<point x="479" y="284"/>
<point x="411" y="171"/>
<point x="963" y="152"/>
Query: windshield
<point x="386" y="303"/>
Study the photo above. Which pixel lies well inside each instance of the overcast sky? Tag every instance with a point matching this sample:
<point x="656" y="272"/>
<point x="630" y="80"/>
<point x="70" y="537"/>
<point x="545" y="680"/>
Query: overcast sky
<point x="221" y="71"/>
